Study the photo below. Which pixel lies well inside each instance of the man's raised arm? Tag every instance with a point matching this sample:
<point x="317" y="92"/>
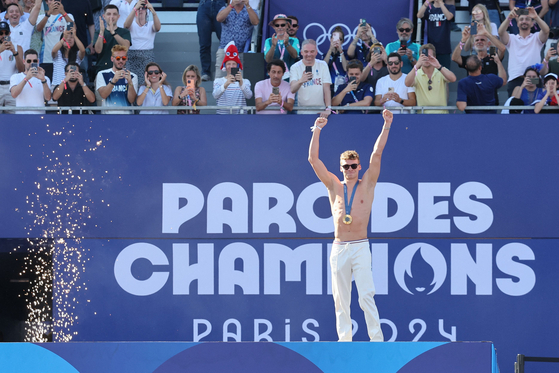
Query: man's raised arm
<point x="371" y="175"/>
<point x="319" y="168"/>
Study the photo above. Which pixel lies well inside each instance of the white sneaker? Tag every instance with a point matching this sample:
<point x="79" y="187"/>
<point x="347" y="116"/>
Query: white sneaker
<point x="205" y="77"/>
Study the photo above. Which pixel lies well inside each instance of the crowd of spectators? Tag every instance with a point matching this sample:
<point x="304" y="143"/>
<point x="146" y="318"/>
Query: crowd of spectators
<point x="117" y="48"/>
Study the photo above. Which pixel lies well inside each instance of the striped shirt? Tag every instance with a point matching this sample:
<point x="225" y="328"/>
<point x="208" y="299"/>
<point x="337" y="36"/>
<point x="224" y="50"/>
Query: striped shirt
<point x="234" y="95"/>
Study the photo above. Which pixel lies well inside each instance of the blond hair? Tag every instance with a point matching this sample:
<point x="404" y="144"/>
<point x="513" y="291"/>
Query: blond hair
<point x="350" y="154"/>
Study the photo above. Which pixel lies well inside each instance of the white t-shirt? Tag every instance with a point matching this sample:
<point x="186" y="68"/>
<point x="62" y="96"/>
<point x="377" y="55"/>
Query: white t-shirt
<point x="311" y="93"/>
<point x="32" y="93"/>
<point x="56" y="24"/>
<point x="7" y="65"/>
<point x="384" y="83"/>
<point x="523" y="52"/>
<point x="21" y="34"/>
<point x="263" y="90"/>
<point x="124" y="9"/>
<point x="142" y="36"/>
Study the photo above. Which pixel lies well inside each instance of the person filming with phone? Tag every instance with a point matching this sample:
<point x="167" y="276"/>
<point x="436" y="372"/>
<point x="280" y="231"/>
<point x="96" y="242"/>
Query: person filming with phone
<point x="550" y="64"/>
<point x="73" y="91"/>
<point x="404" y="46"/>
<point x="231" y="90"/>
<point x="31" y="87"/>
<point x="274" y="92"/>
<point x="355" y="92"/>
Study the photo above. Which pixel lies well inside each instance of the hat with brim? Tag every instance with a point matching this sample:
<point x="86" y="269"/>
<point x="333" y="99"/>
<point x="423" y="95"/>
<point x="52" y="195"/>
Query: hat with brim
<point x="549" y="77"/>
<point x="4" y="26"/>
<point x="279" y="16"/>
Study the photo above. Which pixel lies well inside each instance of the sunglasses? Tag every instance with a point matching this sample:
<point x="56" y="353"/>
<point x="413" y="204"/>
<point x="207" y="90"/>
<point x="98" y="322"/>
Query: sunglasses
<point x="294" y="25"/>
<point x="280" y="24"/>
<point x="31" y="61"/>
<point x="430" y="82"/>
<point x="4" y="33"/>
<point x="347" y="166"/>
<point x="154" y="72"/>
<point x="390" y="63"/>
<point x="404" y="29"/>
<point x="118" y="58"/>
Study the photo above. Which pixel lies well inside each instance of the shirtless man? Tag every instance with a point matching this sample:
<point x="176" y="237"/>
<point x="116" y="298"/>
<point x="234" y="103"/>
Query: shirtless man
<point x="351" y="202"/>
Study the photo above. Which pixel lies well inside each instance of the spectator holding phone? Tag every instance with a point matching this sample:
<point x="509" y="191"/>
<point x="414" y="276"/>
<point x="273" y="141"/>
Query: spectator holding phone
<point x="391" y="90"/>
<point x="68" y="49"/>
<point x="408" y="50"/>
<point x="430" y="80"/>
<point x="550" y="98"/>
<point x="142" y="33"/>
<point x="109" y="37"/>
<point x="73" y="91"/>
<point x="550" y="62"/>
<point x="438" y="17"/>
<point x="155" y="91"/>
<point x="11" y="62"/>
<point x="363" y="41"/>
<point x="231" y="90"/>
<point x="191" y="94"/>
<point x="52" y="24"/>
<point x="22" y="28"/>
<point x="529" y="92"/>
<point x="31" y="87"/>
<point x="117" y="86"/>
<point x="480" y="17"/>
<point x="310" y="79"/>
<point x="274" y="92"/>
<point x="336" y="59"/>
<point x="355" y="92"/>
<point x="524" y="48"/>
<point x="281" y="45"/>
<point x="376" y="66"/>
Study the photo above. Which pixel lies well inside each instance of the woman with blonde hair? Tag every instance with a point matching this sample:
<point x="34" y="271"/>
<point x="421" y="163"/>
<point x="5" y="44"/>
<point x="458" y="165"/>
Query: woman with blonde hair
<point x="480" y="16"/>
<point x="155" y="91"/>
<point x="191" y="94"/>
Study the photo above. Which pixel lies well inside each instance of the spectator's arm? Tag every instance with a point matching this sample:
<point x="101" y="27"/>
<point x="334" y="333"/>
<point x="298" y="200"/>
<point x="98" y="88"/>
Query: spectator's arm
<point x="39" y="27"/>
<point x="15" y="90"/>
<point x="222" y="15"/>
<point x="501" y="69"/>
<point x="261" y="105"/>
<point x="545" y="8"/>
<point x="446" y="12"/>
<point x="219" y="88"/>
<point x="378" y="100"/>
<point x="56" y="48"/>
<point x="245" y="88"/>
<point x="34" y="14"/>
<point x="422" y="10"/>
<point x="105" y="90"/>
<point x="544" y="28"/>
<point x="337" y="100"/>
<point x="366" y="101"/>
<point x="203" y="101"/>
<point x="57" y="92"/>
<point x="122" y="41"/>
<point x="457" y="55"/>
<point x="128" y="21"/>
<point x="91" y="29"/>
<point x="498" y="44"/>
<point x="47" y="94"/>
<point x="156" y="21"/>
<point x="20" y="66"/>
<point x="292" y="50"/>
<point x="365" y="72"/>
<point x="503" y="34"/>
<point x="252" y="14"/>
<point x="410" y="79"/>
<point x="352" y="47"/>
<point x="539" y="105"/>
<point x="449" y="75"/>
<point x="288" y="105"/>
<point x="461" y="105"/>
<point x="411" y="101"/>
<point x="512" y="4"/>
<point x="327" y="94"/>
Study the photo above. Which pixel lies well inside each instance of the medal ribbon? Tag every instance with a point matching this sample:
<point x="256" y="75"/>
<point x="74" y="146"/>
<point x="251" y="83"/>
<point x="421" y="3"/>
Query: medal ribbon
<point x="348" y="206"/>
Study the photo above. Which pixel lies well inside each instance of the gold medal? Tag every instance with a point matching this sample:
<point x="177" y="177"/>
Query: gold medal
<point x="348" y="219"/>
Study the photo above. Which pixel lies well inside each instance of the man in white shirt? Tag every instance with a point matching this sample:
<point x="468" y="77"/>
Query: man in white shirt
<point x="310" y="78"/>
<point x="4" y="14"/>
<point x="391" y="90"/>
<point x="22" y="28"/>
<point x="11" y="62"/>
<point x="524" y="48"/>
<point x="31" y="87"/>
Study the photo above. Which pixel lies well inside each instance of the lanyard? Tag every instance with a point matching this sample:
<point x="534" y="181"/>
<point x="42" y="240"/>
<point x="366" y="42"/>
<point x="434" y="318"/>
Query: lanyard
<point x="348" y="206"/>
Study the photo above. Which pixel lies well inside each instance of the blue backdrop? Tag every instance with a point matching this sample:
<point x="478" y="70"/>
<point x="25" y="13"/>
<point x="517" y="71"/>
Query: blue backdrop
<point x="215" y="228"/>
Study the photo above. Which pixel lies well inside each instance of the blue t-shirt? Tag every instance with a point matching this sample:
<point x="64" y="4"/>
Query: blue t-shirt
<point x="479" y="91"/>
<point x="336" y="67"/>
<point x="363" y="90"/>
<point x="438" y="28"/>
<point x="414" y="47"/>
<point x="281" y="51"/>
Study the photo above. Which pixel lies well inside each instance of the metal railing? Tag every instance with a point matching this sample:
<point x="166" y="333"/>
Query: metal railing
<point x="252" y="109"/>
<point x="520" y="359"/>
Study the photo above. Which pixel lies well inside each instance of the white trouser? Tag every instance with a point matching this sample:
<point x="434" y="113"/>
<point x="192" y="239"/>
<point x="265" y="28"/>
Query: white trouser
<point x="347" y="258"/>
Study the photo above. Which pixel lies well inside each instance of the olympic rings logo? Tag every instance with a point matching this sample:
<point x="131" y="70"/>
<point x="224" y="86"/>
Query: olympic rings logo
<point x="324" y="37"/>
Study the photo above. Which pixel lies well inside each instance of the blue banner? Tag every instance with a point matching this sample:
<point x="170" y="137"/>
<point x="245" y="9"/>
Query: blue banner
<point x="212" y="228"/>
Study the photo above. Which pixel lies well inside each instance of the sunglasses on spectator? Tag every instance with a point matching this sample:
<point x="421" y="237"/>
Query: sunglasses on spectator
<point x="347" y="166"/>
<point x="405" y="29"/>
<point x="280" y="25"/>
<point x="294" y="25"/>
<point x="390" y="63"/>
<point x="118" y="58"/>
<point x="31" y="61"/>
<point x="2" y="33"/>
<point x="154" y="72"/>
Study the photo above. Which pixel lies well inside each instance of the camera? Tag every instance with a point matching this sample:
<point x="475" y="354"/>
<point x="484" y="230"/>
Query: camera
<point x="535" y="81"/>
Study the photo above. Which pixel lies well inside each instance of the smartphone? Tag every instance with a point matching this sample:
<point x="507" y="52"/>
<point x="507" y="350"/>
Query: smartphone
<point x="190" y="84"/>
<point x="425" y="52"/>
<point x="552" y="46"/>
<point x="492" y="50"/>
<point x="363" y="22"/>
<point x="376" y="50"/>
<point x="390" y="89"/>
<point x="535" y="81"/>
<point x="522" y="12"/>
<point x="308" y="69"/>
<point x="69" y="26"/>
<point x="351" y="79"/>
<point x="336" y="36"/>
<point x="8" y="39"/>
<point x="35" y="65"/>
<point x="403" y="44"/>
<point x="72" y="68"/>
<point x="234" y="71"/>
<point x="275" y="90"/>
